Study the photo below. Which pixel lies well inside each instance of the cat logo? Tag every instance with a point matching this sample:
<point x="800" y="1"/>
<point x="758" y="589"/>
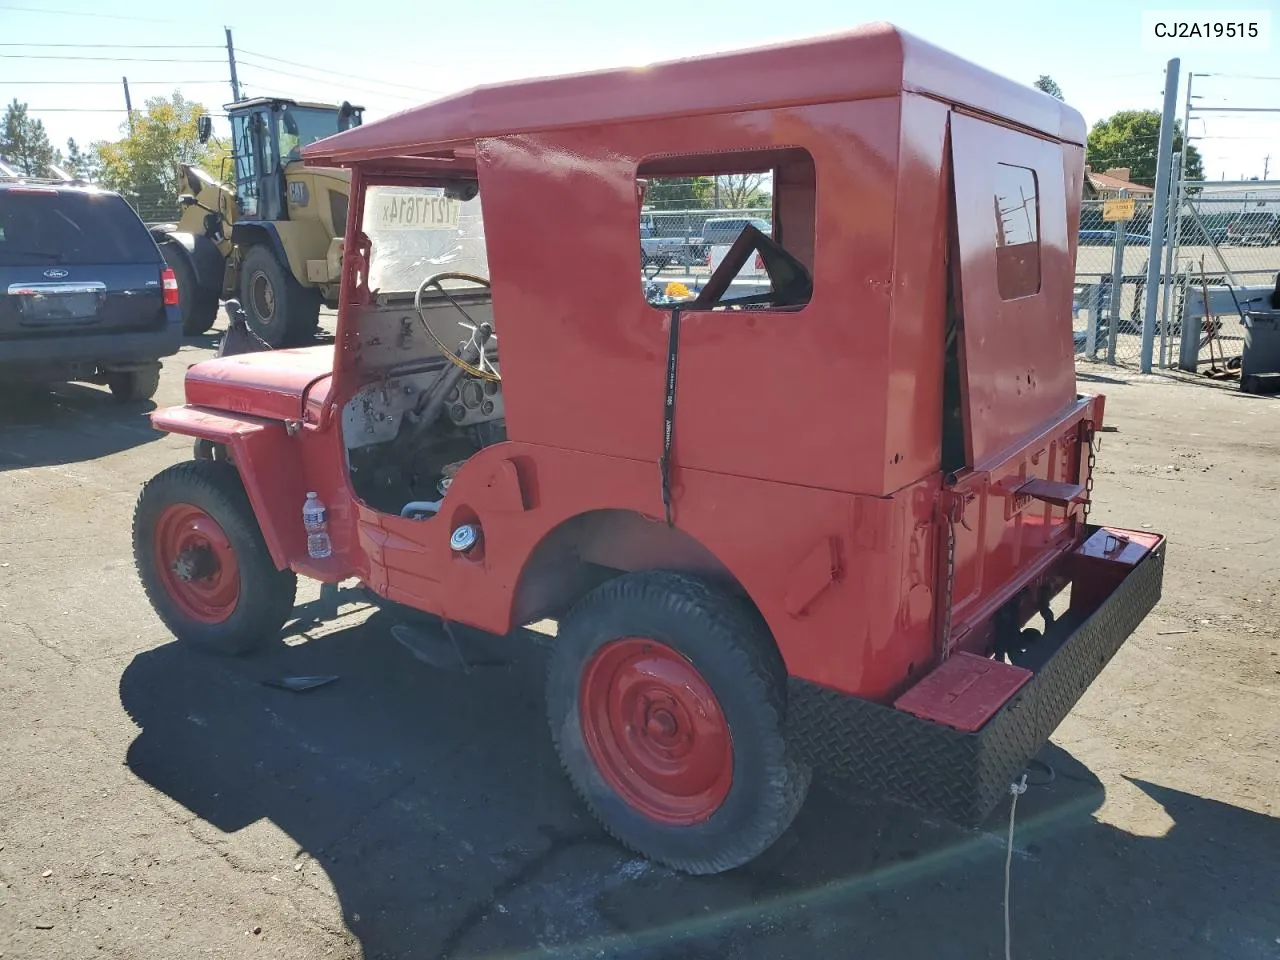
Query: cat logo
<point x="298" y="193"/>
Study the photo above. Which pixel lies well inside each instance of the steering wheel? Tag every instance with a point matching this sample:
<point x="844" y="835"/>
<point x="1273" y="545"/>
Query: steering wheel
<point x="478" y="364"/>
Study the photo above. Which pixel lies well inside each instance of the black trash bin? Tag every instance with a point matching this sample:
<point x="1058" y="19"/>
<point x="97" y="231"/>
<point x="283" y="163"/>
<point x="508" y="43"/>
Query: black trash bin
<point x="1260" y="362"/>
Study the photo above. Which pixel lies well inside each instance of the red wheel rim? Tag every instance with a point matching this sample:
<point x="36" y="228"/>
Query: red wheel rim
<point x="655" y="731"/>
<point x="196" y="563"/>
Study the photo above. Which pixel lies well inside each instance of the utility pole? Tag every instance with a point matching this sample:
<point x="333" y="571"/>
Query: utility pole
<point x="1175" y="219"/>
<point x="1266" y="165"/>
<point x="1160" y="215"/>
<point x="231" y="59"/>
<point x="128" y="103"/>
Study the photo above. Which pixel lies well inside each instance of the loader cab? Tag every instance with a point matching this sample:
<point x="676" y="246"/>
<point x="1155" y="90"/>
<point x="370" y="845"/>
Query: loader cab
<point x="267" y="135"/>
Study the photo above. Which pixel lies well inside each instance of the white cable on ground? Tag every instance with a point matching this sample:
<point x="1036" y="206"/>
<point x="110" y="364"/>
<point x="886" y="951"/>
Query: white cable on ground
<point x="1017" y="790"/>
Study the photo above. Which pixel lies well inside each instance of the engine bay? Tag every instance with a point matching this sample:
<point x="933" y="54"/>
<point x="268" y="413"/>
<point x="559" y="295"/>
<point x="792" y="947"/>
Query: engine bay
<point x="421" y="414"/>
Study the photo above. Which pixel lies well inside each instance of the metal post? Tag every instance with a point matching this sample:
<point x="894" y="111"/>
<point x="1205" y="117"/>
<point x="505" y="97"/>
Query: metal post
<point x="1175" y="211"/>
<point x="128" y="103"/>
<point x="231" y="59"/>
<point x="1117" y="287"/>
<point x="1164" y="161"/>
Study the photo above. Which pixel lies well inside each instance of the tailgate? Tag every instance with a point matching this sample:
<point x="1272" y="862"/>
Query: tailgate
<point x="1010" y="521"/>
<point x="87" y="299"/>
<point x="1018" y="502"/>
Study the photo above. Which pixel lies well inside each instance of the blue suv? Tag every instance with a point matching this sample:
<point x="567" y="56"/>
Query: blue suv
<point x="84" y="292"/>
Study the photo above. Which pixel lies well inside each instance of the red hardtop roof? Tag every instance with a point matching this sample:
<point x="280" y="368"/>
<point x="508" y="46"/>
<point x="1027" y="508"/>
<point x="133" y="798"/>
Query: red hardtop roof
<point x="876" y="60"/>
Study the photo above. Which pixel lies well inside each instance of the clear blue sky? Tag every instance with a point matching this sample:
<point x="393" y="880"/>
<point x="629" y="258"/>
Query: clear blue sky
<point x="410" y="52"/>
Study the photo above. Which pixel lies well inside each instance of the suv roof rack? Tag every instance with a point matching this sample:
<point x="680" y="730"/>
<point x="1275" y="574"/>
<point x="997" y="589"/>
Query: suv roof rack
<point x="58" y="176"/>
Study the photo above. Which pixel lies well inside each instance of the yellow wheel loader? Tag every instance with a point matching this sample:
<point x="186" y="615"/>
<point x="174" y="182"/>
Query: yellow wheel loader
<point x="274" y="240"/>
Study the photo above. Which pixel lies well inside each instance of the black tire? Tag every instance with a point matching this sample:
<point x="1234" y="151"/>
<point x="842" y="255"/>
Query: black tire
<point x="265" y="597"/>
<point x="278" y="308"/>
<point x="198" y="305"/>
<point x="134" y="386"/>
<point x="732" y="650"/>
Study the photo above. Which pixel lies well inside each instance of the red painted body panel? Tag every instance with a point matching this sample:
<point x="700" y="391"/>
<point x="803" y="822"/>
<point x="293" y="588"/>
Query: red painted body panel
<point x="965" y="692"/>
<point x="267" y="384"/>
<point x="807" y="450"/>
<point x="1019" y="355"/>
<point x="875" y="60"/>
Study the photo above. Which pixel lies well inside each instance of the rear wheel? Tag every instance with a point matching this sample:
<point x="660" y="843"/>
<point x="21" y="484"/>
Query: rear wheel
<point x="203" y="562"/>
<point x="133" y="386"/>
<point x="198" y="305"/>
<point x="279" y="309"/>
<point x="666" y="700"/>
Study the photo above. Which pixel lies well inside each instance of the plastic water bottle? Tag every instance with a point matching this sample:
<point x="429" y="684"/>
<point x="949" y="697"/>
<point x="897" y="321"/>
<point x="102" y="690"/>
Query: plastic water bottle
<point x="315" y="522"/>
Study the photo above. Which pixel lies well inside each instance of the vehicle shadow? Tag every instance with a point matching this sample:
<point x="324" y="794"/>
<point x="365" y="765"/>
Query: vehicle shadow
<point x="67" y="423"/>
<point x="435" y="804"/>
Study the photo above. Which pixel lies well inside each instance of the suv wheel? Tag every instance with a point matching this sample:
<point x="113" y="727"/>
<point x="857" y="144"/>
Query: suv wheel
<point x="134" y="385"/>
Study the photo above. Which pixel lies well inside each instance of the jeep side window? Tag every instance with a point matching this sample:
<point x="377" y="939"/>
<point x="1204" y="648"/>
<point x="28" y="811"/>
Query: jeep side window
<point x="686" y="235"/>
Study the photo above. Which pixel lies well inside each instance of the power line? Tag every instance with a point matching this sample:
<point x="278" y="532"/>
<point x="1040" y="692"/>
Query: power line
<point x="112" y="83"/>
<point x="82" y="13"/>
<point x="1238" y="76"/>
<point x="52" y="56"/>
<point x="334" y="73"/>
<point x="122" y="46"/>
<point x="318" y="80"/>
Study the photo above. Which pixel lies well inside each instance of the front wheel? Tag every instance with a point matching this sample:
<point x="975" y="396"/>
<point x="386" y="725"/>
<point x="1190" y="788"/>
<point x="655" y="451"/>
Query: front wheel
<point x="277" y="308"/>
<point x="666" y="700"/>
<point x="203" y="562"/>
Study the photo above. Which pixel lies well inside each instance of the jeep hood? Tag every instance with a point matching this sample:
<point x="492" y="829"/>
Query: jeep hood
<point x="274" y="384"/>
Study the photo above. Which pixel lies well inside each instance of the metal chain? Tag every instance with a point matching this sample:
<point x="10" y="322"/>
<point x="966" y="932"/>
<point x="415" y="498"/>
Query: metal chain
<point x="948" y="582"/>
<point x="1088" y="480"/>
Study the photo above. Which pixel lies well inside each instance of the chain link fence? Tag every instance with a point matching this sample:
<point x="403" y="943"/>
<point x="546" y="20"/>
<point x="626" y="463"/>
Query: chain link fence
<point x="155" y="203"/>
<point x="677" y="244"/>
<point x="1222" y="260"/>
<point x="1224" y="263"/>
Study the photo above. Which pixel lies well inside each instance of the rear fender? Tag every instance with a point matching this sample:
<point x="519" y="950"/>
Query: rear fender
<point x="262" y="453"/>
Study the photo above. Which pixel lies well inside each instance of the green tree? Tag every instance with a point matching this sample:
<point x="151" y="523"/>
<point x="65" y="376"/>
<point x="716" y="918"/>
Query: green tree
<point x="24" y="143"/>
<point x="677" y="193"/>
<point x="143" y="164"/>
<point x="743" y="190"/>
<point x="1131" y="139"/>
<point x="1048" y="85"/>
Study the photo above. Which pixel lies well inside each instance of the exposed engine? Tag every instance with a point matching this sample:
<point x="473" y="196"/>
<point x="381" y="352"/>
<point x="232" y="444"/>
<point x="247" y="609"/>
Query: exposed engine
<point x="400" y="450"/>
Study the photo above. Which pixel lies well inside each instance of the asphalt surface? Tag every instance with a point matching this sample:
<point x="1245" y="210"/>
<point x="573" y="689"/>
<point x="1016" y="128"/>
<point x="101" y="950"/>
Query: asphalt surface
<point x="159" y="803"/>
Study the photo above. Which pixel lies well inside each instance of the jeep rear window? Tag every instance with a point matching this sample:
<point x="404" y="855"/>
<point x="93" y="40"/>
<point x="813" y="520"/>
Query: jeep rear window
<point x="60" y="226"/>
<point x="1017" y="216"/>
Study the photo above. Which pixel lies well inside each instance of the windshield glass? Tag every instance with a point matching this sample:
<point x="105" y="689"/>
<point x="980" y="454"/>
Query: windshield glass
<point x="300" y="126"/>
<point x="417" y="232"/>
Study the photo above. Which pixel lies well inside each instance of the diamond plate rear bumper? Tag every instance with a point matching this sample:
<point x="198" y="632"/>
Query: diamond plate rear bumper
<point x="962" y="776"/>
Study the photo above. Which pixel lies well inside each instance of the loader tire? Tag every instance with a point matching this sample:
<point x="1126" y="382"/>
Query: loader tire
<point x="279" y="309"/>
<point x="203" y="561"/>
<point x="198" y="305"/>
<point x="666" y="700"/>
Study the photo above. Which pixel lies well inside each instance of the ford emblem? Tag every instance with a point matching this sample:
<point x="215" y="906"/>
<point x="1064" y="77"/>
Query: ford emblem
<point x="55" y="274"/>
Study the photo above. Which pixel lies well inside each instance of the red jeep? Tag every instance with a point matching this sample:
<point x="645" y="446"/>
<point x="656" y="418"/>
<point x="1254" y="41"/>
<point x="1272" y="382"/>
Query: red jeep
<point x="825" y="516"/>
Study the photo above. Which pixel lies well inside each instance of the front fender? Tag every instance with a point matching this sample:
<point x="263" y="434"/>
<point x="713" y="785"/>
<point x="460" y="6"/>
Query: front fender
<point x="261" y="450"/>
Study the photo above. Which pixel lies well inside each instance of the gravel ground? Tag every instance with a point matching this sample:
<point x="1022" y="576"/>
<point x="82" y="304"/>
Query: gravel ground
<point x="156" y="803"/>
